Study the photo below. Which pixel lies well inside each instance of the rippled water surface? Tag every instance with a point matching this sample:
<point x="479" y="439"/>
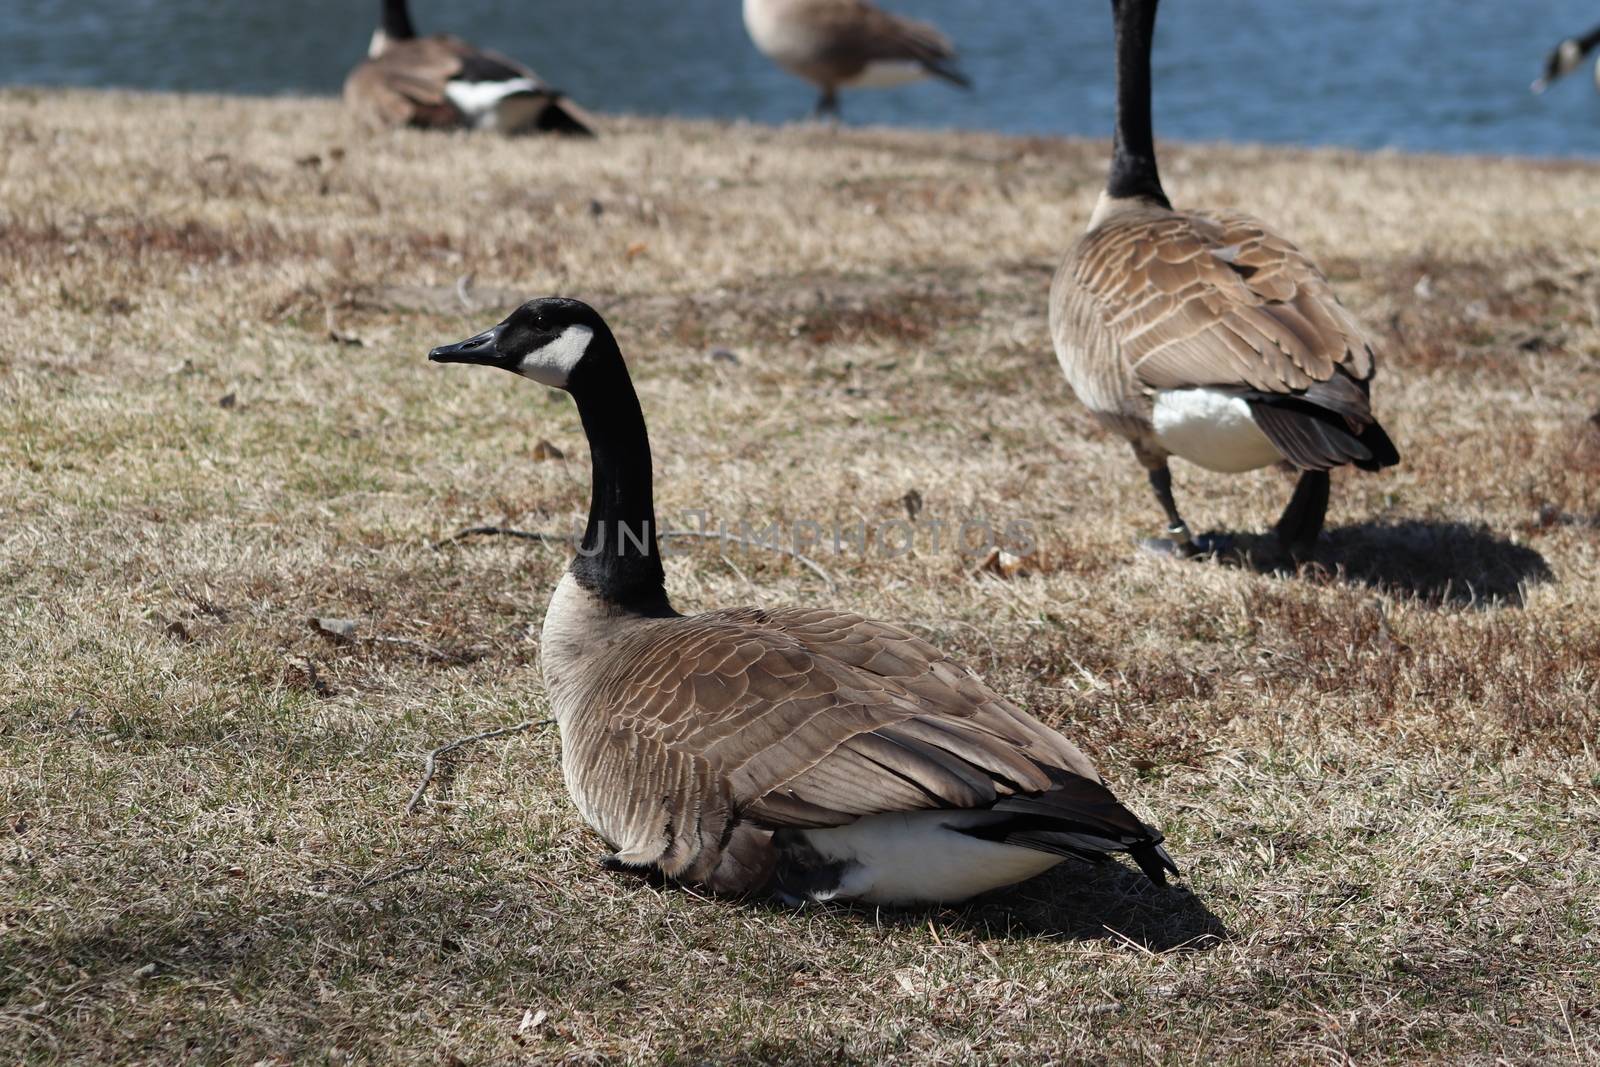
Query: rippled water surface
<point x="1445" y="75"/>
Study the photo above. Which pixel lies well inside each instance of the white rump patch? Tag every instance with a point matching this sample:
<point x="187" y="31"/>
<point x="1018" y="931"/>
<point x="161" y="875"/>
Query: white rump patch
<point x="552" y="364"/>
<point x="910" y="857"/>
<point x="887" y="72"/>
<point x="479" y="101"/>
<point x="1571" y="56"/>
<point x="1212" y="429"/>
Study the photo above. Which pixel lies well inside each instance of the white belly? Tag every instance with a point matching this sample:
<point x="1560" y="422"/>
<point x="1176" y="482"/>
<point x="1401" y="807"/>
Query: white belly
<point x="913" y="857"/>
<point x="480" y="101"/>
<point x="1211" y="429"/>
<point x="885" y="73"/>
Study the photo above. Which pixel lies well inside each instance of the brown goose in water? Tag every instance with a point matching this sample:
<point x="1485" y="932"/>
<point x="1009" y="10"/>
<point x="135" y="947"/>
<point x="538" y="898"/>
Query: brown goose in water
<point x="442" y="82"/>
<point x="808" y="753"/>
<point x="1205" y="334"/>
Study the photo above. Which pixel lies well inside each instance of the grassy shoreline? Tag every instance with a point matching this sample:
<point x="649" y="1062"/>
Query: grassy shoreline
<point x="216" y="421"/>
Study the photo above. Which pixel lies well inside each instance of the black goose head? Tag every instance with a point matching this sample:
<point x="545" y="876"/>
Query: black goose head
<point x="1562" y="60"/>
<point x="553" y="340"/>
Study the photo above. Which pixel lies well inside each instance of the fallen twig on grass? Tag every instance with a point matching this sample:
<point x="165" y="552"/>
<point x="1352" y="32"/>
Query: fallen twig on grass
<point x="504" y="531"/>
<point x="665" y="535"/>
<point x="379" y="879"/>
<point x="430" y="765"/>
<point x="717" y="535"/>
<point x="343" y="632"/>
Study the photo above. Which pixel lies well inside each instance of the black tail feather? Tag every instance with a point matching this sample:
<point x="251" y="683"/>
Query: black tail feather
<point x="1310" y="437"/>
<point x="1376" y="441"/>
<point x="1318" y="430"/>
<point x="1080" y="818"/>
<point x="949" y="72"/>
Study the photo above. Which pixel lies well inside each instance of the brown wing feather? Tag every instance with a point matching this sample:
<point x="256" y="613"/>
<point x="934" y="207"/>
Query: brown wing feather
<point x="1216" y="300"/>
<point x="405" y="85"/>
<point x="789" y="719"/>
<point x="854" y="33"/>
<point x="383" y="95"/>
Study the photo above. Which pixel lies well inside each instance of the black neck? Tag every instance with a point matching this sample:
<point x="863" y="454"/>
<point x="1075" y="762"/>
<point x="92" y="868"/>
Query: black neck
<point x="618" y="559"/>
<point x="1589" y="41"/>
<point x="1133" y="157"/>
<point x="397" y="21"/>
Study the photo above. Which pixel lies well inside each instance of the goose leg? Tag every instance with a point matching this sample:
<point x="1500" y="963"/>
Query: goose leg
<point x="1178" y="542"/>
<point x="1302" y="520"/>
<point x="827" y="105"/>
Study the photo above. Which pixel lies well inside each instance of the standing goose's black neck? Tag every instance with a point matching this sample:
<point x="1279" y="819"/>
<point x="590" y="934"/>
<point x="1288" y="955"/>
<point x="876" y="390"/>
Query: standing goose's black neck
<point x="618" y="559"/>
<point x="1133" y="156"/>
<point x="397" y="21"/>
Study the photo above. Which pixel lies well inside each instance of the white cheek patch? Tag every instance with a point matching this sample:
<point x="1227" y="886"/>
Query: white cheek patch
<point x="552" y="365"/>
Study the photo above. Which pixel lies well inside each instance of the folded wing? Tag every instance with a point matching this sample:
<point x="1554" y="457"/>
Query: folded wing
<point x="808" y="719"/>
<point x="1221" y="302"/>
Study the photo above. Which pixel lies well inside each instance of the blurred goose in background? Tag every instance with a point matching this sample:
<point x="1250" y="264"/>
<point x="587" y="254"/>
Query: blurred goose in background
<point x="806" y="753"/>
<point x="442" y="82"/>
<point x="1207" y="335"/>
<point x="1565" y="58"/>
<point x="849" y="44"/>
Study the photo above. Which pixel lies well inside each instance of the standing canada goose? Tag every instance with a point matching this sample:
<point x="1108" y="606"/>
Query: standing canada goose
<point x="1207" y="335"/>
<point x="442" y="82"/>
<point x="804" y="752"/>
<point x="1565" y="57"/>
<point x="848" y="44"/>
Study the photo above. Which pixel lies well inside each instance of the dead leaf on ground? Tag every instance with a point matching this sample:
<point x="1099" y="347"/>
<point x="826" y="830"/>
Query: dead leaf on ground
<point x="531" y="1021"/>
<point x="301" y="673"/>
<point x="1003" y="564"/>
<point x="544" y="450"/>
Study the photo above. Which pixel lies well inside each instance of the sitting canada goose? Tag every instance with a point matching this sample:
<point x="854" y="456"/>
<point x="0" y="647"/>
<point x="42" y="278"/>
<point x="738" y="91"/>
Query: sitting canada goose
<point x="806" y="753"/>
<point x="1565" y="57"/>
<point x="442" y="82"/>
<point x="838" y="44"/>
<point x="1207" y="335"/>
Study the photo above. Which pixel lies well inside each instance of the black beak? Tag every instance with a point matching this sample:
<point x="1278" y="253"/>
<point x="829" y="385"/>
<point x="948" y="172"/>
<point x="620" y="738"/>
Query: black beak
<point x="479" y="349"/>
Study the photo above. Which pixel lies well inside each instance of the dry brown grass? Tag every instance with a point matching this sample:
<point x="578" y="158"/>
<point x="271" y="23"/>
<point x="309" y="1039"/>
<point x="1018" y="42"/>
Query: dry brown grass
<point x="216" y="421"/>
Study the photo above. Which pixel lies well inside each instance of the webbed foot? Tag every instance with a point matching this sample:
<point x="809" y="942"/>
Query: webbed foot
<point x="1189" y="547"/>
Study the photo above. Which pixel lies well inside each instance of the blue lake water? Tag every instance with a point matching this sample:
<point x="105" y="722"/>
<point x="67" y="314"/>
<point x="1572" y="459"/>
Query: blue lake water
<point x="1435" y="75"/>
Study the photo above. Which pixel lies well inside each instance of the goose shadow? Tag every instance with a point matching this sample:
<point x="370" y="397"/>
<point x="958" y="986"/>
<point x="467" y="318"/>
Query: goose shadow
<point x="1073" y="901"/>
<point x="1444" y="564"/>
